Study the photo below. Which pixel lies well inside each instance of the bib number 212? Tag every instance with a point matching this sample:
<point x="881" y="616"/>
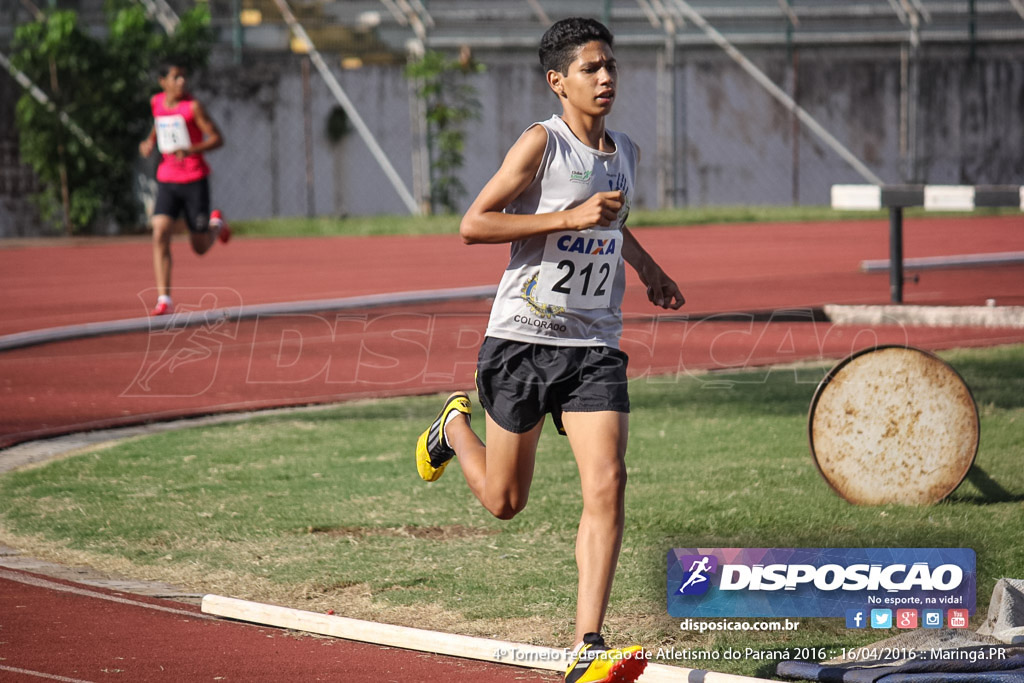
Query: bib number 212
<point x="564" y="286"/>
<point x="578" y="268"/>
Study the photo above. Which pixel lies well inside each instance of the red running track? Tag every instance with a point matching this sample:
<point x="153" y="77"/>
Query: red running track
<point x="112" y="381"/>
<point x="721" y="268"/>
<point x="52" y="629"/>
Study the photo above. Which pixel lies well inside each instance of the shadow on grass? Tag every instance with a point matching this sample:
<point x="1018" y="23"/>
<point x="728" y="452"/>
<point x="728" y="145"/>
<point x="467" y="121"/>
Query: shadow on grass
<point x="991" y="490"/>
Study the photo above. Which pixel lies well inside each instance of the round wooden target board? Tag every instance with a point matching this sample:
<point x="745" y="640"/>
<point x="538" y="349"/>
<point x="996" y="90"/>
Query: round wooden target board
<point x="893" y="424"/>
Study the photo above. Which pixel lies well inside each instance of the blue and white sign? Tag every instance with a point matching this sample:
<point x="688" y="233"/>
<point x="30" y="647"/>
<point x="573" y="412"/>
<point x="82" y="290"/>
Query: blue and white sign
<point x="817" y="582"/>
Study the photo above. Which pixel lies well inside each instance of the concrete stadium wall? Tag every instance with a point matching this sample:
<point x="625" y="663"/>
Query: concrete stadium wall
<point x="735" y="144"/>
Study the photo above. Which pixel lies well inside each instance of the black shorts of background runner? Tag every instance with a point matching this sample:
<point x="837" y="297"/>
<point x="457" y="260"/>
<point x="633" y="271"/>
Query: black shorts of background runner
<point x="520" y="382"/>
<point x="192" y="199"/>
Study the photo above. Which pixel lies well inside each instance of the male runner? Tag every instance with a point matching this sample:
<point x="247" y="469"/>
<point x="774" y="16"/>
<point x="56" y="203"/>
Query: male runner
<point x="561" y="199"/>
<point x="182" y="131"/>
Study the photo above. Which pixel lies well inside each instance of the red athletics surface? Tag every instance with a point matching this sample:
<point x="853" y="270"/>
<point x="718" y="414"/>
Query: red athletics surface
<point x="111" y="381"/>
<point x="721" y="268"/>
<point x="290" y="360"/>
<point x="52" y="629"/>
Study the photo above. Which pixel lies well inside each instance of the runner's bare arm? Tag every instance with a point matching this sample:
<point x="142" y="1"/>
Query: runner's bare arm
<point x="484" y="222"/>
<point x="212" y="138"/>
<point x="661" y="289"/>
<point x="147" y="145"/>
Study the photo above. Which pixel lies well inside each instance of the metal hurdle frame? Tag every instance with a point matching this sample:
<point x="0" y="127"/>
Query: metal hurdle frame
<point x="931" y="197"/>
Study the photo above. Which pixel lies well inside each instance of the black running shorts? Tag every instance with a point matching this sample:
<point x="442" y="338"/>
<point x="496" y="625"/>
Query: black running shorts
<point x="192" y="199"/>
<point x="519" y="383"/>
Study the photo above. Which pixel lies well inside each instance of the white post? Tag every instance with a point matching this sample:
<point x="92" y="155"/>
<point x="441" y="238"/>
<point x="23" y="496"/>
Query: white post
<point x="163" y="13"/>
<point x="777" y="92"/>
<point x="40" y="97"/>
<point x="350" y="109"/>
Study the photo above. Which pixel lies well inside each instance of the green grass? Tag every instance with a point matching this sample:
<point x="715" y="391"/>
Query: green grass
<point x="359" y="226"/>
<point x="355" y="226"/>
<point x="323" y="509"/>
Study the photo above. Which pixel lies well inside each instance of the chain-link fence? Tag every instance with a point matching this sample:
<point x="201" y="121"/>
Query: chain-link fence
<point x="788" y="99"/>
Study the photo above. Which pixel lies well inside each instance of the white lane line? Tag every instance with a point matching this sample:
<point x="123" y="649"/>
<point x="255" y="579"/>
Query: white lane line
<point x="40" y="674"/>
<point x="52" y="585"/>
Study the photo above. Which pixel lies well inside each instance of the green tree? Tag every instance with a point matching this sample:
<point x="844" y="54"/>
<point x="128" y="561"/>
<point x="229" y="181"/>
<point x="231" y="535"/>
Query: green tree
<point x="450" y="101"/>
<point x="104" y="87"/>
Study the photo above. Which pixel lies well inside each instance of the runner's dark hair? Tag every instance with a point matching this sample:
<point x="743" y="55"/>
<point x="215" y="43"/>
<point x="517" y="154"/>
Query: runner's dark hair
<point x="165" y="65"/>
<point x="560" y="43"/>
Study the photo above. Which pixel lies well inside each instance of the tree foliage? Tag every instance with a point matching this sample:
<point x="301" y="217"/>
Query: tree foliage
<point x="104" y="87"/>
<point x="450" y="101"/>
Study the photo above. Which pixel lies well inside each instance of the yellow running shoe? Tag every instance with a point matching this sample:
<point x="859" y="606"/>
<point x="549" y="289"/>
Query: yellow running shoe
<point x="432" y="450"/>
<point x="595" y="662"/>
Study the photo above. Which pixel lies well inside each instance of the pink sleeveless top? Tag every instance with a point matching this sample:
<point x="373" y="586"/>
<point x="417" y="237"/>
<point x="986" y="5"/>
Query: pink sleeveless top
<point x="176" y="129"/>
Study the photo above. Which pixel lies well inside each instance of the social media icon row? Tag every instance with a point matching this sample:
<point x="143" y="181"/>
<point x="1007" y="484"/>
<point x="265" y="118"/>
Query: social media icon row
<point x="906" y="618"/>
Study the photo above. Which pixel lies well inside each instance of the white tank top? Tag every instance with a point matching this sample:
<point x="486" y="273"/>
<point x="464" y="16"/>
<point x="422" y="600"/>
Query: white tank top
<point x="565" y="288"/>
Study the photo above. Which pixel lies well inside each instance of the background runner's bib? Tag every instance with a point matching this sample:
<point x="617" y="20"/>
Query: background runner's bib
<point x="565" y="288"/>
<point x="171" y="134"/>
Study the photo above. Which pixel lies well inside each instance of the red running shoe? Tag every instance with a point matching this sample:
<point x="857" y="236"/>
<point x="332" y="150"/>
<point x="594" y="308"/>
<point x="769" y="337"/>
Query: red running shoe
<point x="162" y="308"/>
<point x="218" y="223"/>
